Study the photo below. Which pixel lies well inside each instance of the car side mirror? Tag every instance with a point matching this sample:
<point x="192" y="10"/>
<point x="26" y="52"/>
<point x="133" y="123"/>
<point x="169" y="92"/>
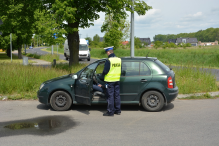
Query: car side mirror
<point x="75" y="77"/>
<point x="89" y="49"/>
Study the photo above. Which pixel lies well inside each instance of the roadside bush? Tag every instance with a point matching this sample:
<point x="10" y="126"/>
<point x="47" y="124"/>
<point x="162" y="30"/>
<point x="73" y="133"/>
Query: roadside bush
<point x="157" y="44"/>
<point x="172" y="45"/>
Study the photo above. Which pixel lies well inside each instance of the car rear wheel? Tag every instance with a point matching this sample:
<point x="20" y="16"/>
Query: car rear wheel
<point x="152" y="101"/>
<point x="60" y="101"/>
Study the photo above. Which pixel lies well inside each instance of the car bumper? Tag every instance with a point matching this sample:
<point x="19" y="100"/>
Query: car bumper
<point x="42" y="98"/>
<point x="80" y="57"/>
<point x="84" y="57"/>
<point x="171" y="94"/>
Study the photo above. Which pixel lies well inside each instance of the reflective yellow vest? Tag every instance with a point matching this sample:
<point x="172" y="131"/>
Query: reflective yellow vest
<point x="115" y="70"/>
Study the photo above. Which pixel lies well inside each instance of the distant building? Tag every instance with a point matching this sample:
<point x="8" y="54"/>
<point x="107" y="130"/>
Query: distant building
<point x="207" y="43"/>
<point x="172" y="41"/>
<point x="101" y="39"/>
<point x="192" y="41"/>
<point x="125" y="42"/>
<point x="146" y="40"/>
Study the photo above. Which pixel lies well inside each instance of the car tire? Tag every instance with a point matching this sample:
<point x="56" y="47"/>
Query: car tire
<point x="66" y="58"/>
<point x="152" y="101"/>
<point x="60" y="101"/>
<point x="88" y="59"/>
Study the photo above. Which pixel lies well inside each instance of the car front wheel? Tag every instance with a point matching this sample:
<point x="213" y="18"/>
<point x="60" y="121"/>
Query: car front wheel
<point x="152" y="101"/>
<point x="60" y="101"/>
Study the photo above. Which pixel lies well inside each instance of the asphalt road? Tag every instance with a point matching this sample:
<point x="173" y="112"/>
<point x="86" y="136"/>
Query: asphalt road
<point x="61" y="56"/>
<point x="181" y="123"/>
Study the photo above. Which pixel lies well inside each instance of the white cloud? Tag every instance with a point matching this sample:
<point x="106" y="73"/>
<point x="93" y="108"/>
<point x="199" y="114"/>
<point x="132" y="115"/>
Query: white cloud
<point x="150" y="16"/>
<point x="193" y="17"/>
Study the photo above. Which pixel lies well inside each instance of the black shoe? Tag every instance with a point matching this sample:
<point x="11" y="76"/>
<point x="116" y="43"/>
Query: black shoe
<point x="117" y="113"/>
<point x="107" y="114"/>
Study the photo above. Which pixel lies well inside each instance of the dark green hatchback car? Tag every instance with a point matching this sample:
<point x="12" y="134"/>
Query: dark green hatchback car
<point x="144" y="80"/>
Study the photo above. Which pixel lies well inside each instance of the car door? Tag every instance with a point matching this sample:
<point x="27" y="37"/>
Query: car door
<point x="135" y="77"/>
<point x="83" y="85"/>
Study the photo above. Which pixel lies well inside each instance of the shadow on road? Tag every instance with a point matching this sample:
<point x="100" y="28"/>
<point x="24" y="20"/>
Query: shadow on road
<point x="85" y="109"/>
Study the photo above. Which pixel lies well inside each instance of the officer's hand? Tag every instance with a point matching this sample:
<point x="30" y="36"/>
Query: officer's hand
<point x="100" y="85"/>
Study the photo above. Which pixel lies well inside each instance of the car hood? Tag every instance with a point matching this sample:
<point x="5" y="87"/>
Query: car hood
<point x="59" y="78"/>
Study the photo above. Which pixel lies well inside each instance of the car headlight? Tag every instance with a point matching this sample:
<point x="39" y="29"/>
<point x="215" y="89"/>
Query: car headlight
<point x="41" y="86"/>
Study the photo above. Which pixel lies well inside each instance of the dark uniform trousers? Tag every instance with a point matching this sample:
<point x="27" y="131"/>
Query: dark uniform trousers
<point x="112" y="94"/>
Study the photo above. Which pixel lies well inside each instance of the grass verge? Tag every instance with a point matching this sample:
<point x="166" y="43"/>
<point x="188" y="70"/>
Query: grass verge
<point x="22" y="82"/>
<point x="60" y="50"/>
<point x="207" y="56"/>
<point x="194" y="80"/>
<point x="5" y="59"/>
<point x="46" y="57"/>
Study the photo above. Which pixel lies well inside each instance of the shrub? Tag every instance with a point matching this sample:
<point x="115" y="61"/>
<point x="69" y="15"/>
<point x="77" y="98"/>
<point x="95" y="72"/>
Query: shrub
<point x="172" y="45"/>
<point x="157" y="44"/>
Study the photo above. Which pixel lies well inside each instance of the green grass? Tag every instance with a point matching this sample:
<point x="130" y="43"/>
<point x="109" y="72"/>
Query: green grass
<point x="207" y="56"/>
<point x="46" y="57"/>
<point x="193" y="80"/>
<point x="60" y="50"/>
<point x="5" y="59"/>
<point x="204" y="96"/>
<point x="22" y="82"/>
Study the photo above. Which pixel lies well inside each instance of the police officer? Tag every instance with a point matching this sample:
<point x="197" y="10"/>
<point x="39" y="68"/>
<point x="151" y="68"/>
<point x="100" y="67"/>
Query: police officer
<point x="111" y="74"/>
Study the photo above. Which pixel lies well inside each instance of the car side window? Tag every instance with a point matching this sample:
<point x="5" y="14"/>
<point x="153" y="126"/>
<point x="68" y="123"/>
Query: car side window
<point x="144" y="70"/>
<point x="100" y="67"/>
<point x="88" y="72"/>
<point x="130" y="69"/>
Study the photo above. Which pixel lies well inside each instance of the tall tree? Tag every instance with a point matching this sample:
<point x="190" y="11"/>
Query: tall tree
<point x="116" y="31"/>
<point x="81" y="14"/>
<point x="18" y="19"/>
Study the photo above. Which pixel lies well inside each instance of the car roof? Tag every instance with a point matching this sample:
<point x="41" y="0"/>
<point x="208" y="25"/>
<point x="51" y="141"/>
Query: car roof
<point x="134" y="58"/>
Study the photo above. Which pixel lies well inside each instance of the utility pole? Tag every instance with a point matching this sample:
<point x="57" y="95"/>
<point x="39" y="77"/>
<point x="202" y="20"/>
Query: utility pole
<point x="11" y="45"/>
<point x="52" y="50"/>
<point x="25" y="48"/>
<point x="132" y="51"/>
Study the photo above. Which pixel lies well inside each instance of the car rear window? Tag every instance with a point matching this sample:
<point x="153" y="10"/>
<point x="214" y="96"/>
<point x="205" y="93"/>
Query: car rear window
<point x="163" y="66"/>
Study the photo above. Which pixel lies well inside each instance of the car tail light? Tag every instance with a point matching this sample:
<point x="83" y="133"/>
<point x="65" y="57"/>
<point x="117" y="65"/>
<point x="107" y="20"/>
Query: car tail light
<point x="170" y="82"/>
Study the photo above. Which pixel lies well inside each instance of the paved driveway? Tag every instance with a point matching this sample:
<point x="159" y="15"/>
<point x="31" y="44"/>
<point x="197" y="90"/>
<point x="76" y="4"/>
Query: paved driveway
<point x="181" y="123"/>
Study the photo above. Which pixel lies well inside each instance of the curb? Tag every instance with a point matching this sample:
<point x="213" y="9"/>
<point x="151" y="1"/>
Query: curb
<point x="197" y="94"/>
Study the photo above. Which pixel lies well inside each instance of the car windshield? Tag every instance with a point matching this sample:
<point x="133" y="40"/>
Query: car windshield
<point x="83" y="47"/>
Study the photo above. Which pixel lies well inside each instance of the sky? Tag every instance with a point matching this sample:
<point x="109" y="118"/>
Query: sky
<point x="167" y="17"/>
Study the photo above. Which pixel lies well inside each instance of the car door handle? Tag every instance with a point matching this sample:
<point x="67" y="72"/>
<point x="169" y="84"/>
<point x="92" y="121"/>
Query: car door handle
<point x="143" y="80"/>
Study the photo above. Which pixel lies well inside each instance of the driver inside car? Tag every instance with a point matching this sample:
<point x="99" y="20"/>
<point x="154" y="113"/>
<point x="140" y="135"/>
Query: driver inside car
<point x="96" y="85"/>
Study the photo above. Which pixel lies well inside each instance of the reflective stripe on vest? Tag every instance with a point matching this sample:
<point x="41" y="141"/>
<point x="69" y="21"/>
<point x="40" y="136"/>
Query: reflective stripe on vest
<point x="115" y="70"/>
